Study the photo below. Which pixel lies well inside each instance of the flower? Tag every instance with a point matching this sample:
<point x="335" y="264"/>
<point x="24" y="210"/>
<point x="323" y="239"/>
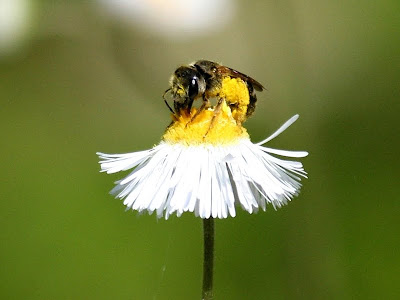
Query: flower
<point x="208" y="166"/>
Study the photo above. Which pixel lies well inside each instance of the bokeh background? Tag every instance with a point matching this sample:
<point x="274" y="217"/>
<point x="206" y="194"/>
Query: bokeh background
<point x="78" y="77"/>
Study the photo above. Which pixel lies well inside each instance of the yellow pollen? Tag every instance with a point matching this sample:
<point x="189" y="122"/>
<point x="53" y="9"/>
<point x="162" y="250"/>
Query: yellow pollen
<point x="203" y="129"/>
<point x="236" y="94"/>
<point x="181" y="92"/>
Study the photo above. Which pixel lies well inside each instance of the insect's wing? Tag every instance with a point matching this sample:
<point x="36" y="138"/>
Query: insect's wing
<point x="236" y="74"/>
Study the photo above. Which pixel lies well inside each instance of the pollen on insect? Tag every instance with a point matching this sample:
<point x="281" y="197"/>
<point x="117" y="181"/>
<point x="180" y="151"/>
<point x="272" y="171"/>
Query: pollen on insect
<point x="236" y="93"/>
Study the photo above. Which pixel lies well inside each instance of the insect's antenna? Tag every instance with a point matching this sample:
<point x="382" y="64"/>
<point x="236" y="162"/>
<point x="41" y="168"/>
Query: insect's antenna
<point x="166" y="102"/>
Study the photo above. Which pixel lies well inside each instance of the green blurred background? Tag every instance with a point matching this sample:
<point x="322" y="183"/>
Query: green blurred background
<point x="80" y="77"/>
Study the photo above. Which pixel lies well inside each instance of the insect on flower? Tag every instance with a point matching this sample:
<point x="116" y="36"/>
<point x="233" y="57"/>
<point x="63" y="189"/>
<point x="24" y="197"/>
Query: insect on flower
<point x="204" y="80"/>
<point x="206" y="162"/>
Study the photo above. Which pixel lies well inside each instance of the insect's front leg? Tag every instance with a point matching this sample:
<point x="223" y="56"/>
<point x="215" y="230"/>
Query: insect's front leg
<point x="206" y="103"/>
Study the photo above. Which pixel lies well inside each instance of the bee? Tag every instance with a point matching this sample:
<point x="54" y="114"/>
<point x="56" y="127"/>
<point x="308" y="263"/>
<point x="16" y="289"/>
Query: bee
<point x="204" y="80"/>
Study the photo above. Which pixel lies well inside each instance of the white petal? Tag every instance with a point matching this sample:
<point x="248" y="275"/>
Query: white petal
<point x="280" y="130"/>
<point x="286" y="152"/>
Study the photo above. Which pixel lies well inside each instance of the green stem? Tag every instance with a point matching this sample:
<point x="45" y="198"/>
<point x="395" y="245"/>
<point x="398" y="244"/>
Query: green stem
<point x="208" y="264"/>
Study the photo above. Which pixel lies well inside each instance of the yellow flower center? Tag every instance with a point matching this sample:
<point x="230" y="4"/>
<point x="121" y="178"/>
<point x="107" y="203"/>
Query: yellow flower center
<point x="207" y="127"/>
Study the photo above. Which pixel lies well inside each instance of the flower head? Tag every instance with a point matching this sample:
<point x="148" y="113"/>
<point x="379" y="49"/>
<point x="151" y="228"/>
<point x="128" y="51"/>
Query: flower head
<point x="206" y="165"/>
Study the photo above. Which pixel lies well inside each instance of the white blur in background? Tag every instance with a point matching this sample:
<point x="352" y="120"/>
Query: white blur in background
<point x="178" y="19"/>
<point x="15" y="25"/>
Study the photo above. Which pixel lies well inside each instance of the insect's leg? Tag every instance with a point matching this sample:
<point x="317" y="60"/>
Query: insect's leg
<point x="205" y="104"/>
<point x="178" y="106"/>
<point x="217" y="110"/>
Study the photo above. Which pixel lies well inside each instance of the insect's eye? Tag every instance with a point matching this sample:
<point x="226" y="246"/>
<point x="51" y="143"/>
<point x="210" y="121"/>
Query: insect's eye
<point x="193" y="87"/>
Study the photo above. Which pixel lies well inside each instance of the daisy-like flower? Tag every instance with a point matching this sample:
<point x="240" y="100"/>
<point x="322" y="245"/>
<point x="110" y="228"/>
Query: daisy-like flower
<point x="206" y="165"/>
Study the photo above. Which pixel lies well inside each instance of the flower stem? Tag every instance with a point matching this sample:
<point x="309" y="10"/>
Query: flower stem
<point x="208" y="264"/>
